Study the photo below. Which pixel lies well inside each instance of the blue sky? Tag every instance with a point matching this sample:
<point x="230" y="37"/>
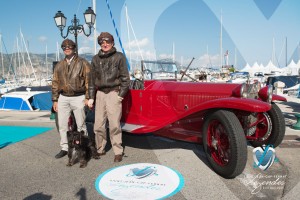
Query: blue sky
<point x="253" y="30"/>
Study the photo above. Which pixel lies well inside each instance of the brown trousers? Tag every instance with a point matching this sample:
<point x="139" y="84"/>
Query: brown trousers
<point x="108" y="107"/>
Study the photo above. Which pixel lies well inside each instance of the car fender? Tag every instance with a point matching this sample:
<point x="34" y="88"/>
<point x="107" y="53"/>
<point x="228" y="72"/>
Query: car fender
<point x="250" y="105"/>
<point x="276" y="97"/>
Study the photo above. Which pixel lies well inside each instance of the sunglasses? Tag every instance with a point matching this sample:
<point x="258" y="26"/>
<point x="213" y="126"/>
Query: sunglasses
<point x="107" y="40"/>
<point x="67" y="47"/>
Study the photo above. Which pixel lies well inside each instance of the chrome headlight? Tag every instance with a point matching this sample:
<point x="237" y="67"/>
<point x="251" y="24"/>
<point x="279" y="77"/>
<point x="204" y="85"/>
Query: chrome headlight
<point x="241" y="91"/>
<point x="269" y="93"/>
<point x="244" y="92"/>
<point x="266" y="93"/>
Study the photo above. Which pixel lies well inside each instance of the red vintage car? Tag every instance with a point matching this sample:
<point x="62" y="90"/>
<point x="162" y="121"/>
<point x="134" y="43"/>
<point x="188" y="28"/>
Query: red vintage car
<point x="221" y="116"/>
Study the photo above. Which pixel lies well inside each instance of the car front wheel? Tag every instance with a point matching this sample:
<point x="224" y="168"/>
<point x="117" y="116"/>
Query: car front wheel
<point x="271" y="130"/>
<point x="225" y="144"/>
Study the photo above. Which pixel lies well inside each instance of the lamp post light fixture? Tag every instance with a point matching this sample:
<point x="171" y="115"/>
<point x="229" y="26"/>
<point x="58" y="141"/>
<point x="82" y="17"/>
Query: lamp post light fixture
<point x="75" y="28"/>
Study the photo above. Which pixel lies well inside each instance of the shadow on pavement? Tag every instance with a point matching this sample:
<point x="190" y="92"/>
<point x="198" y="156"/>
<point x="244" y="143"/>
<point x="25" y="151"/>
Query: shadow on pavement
<point x="152" y="142"/>
<point x="38" y="196"/>
<point x="5" y="144"/>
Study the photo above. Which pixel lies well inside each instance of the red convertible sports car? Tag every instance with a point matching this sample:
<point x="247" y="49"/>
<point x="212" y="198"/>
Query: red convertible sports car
<point x="221" y="116"/>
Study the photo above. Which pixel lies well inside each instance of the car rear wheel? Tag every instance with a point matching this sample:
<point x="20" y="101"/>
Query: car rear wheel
<point x="272" y="128"/>
<point x="225" y="144"/>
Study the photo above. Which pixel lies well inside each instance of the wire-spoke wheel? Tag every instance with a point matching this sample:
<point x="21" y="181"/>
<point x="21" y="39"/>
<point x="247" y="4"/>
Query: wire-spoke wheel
<point x="225" y="144"/>
<point x="271" y="130"/>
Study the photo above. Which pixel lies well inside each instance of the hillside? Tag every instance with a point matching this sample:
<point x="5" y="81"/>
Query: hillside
<point x="21" y="64"/>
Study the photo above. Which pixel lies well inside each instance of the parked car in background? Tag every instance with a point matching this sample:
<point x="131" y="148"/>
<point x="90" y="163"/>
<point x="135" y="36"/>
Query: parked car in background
<point x="258" y="74"/>
<point x="259" y="77"/>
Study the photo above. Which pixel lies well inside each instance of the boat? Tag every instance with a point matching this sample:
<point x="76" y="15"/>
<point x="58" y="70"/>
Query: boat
<point x="239" y="77"/>
<point x="292" y="91"/>
<point x="2" y="81"/>
<point x="26" y="100"/>
<point x="289" y="81"/>
<point x="8" y="86"/>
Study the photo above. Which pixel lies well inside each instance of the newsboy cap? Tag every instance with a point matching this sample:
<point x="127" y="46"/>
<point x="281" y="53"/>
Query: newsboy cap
<point x="105" y="35"/>
<point x="68" y="42"/>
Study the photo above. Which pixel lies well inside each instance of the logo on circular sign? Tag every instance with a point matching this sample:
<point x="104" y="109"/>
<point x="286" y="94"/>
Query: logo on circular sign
<point x="264" y="157"/>
<point x="139" y="181"/>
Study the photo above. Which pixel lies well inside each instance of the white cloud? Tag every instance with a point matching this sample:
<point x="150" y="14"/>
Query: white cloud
<point x="204" y="60"/>
<point x="138" y="43"/>
<point x="140" y="55"/>
<point x="42" y="38"/>
<point x="83" y="50"/>
<point x="86" y="44"/>
<point x="165" y="56"/>
<point x="209" y="60"/>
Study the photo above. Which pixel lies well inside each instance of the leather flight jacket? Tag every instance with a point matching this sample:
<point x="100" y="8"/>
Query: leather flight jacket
<point x="71" y="79"/>
<point x="109" y="72"/>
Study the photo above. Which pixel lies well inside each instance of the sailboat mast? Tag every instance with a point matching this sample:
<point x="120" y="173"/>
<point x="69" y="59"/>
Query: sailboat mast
<point x="19" y="60"/>
<point x="47" y="62"/>
<point x="273" y="51"/>
<point x="235" y="58"/>
<point x="1" y="56"/>
<point x="57" y="52"/>
<point x="173" y="52"/>
<point x="181" y="59"/>
<point x="221" y="47"/>
<point x="22" y="37"/>
<point x="136" y="41"/>
<point x="286" y="51"/>
<point x="95" y="32"/>
<point x="128" y="33"/>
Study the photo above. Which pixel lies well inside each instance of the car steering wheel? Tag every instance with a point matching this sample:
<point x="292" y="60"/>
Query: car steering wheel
<point x="148" y="73"/>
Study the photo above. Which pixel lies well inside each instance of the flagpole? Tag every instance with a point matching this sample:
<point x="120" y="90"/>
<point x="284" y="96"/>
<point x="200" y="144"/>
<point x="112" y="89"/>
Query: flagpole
<point x="95" y="32"/>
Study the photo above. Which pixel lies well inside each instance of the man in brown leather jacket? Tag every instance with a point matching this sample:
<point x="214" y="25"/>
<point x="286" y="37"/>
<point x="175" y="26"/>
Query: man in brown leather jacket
<point x="109" y="82"/>
<point x="70" y="91"/>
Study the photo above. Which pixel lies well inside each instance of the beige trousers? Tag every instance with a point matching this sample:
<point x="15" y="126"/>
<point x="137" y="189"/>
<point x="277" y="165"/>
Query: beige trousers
<point x="65" y="106"/>
<point x="108" y="107"/>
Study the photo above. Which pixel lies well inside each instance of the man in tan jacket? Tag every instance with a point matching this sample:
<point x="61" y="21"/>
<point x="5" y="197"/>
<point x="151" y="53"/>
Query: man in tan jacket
<point x="70" y="91"/>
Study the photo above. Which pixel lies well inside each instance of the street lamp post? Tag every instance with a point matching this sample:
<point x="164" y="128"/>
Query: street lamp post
<point x="75" y="28"/>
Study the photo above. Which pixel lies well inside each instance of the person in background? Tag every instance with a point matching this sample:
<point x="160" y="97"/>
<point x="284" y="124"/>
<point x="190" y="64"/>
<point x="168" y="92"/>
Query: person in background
<point x="70" y="91"/>
<point x="138" y="83"/>
<point x="109" y="83"/>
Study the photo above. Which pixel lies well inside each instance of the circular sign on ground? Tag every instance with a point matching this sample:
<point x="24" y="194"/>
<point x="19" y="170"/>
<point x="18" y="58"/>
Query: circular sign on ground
<point x="139" y="181"/>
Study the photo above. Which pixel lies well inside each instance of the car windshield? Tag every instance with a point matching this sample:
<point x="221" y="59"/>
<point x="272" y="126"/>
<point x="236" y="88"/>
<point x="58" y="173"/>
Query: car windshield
<point x="159" y="70"/>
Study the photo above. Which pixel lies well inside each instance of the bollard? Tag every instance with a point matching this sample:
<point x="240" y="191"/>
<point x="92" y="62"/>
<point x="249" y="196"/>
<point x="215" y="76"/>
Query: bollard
<point x="279" y="87"/>
<point x="297" y="125"/>
<point x="52" y="116"/>
<point x="298" y="92"/>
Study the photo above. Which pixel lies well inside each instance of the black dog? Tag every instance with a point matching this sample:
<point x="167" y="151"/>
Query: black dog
<point x="78" y="148"/>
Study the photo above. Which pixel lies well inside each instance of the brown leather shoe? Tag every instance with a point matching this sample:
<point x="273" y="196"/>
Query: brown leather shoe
<point x="118" y="158"/>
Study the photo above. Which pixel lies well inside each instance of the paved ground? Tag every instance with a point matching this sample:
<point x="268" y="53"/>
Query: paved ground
<point x="28" y="169"/>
